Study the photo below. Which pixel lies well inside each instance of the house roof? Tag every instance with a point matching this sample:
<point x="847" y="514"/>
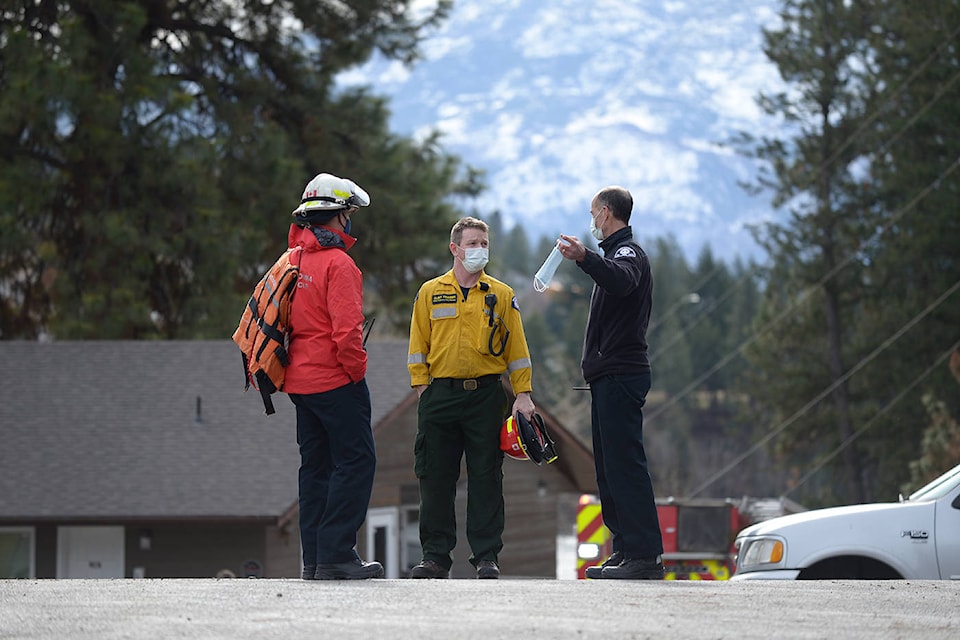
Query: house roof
<point x="152" y="429"/>
<point x="574" y="458"/>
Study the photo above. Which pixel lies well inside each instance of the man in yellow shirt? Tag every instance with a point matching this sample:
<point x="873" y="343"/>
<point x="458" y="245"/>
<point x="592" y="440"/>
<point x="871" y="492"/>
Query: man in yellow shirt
<point x="465" y="333"/>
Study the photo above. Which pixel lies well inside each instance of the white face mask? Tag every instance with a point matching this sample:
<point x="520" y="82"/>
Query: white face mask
<point x="475" y="259"/>
<point x="594" y="231"/>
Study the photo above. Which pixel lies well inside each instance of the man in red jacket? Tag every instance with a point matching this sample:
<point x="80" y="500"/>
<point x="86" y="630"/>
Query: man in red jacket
<point x="326" y="381"/>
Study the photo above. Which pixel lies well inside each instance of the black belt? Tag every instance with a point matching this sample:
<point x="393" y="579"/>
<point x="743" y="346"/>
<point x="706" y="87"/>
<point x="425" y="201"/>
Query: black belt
<point x="469" y="384"/>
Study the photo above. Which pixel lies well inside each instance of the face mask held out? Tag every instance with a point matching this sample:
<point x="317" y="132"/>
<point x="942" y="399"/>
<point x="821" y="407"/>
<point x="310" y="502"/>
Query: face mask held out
<point x="541" y="281"/>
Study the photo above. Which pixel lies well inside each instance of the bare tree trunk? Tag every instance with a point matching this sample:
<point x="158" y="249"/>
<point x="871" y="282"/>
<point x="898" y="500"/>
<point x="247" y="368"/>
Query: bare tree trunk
<point x="841" y="398"/>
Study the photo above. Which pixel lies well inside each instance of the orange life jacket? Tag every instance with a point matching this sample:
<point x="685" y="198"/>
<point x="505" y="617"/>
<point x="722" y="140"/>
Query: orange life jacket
<point x="263" y="333"/>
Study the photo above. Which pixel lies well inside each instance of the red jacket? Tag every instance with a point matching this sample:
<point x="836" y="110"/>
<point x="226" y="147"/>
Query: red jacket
<point x="326" y="317"/>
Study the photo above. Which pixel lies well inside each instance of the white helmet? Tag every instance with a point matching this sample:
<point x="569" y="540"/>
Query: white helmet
<point x="329" y="193"/>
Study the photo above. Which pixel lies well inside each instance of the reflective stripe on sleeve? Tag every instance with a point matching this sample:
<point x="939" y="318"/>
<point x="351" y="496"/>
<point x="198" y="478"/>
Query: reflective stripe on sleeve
<point x="416" y="358"/>
<point x="522" y="363"/>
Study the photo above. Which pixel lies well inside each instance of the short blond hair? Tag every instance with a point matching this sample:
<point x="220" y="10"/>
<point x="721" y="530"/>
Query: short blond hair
<point x="456" y="234"/>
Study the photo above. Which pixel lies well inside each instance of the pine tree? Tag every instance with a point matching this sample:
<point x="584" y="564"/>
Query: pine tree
<point x="915" y="172"/>
<point x="861" y="297"/>
<point x="812" y="287"/>
<point x="151" y="153"/>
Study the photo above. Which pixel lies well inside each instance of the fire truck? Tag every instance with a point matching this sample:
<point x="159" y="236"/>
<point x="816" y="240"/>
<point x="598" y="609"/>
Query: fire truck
<point x="698" y="534"/>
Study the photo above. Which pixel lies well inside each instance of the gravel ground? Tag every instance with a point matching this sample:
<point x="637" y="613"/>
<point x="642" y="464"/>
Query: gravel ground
<point x="400" y="609"/>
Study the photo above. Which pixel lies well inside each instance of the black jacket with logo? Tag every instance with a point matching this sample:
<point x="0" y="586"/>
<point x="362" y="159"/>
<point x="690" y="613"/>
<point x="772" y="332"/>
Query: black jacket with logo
<point x="615" y="341"/>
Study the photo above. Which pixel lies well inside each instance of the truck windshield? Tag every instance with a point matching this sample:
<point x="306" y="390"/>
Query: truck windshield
<point x="939" y="487"/>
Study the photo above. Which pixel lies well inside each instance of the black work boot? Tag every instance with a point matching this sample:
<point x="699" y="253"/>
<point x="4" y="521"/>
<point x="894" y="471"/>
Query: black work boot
<point x="429" y="569"/>
<point x="309" y="572"/>
<point x="636" y="569"/>
<point x="488" y="570"/>
<point x="596" y="572"/>
<point x="355" y="569"/>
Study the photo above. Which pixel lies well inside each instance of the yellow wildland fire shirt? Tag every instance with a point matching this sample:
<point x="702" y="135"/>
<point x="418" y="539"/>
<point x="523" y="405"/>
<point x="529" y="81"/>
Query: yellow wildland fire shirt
<point x="450" y="336"/>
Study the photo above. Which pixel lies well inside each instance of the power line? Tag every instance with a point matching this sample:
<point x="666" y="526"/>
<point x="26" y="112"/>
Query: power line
<point x="907" y="125"/>
<point x="715" y="303"/>
<point x="826" y="392"/>
<point x="804" y="294"/>
<point x="677" y="338"/>
<point x="685" y="300"/>
<point x="899" y="90"/>
<point x="937" y="51"/>
<point x="880" y="413"/>
<point x="895" y="217"/>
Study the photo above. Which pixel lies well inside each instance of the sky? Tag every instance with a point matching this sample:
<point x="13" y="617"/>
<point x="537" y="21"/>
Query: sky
<point x="557" y="99"/>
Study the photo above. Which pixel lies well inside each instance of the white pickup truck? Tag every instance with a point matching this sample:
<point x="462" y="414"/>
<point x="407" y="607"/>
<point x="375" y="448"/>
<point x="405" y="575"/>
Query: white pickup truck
<point x="917" y="538"/>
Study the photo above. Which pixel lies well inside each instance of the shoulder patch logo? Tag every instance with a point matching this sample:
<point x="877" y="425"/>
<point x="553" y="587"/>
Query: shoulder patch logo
<point x="515" y="304"/>
<point x="625" y="252"/>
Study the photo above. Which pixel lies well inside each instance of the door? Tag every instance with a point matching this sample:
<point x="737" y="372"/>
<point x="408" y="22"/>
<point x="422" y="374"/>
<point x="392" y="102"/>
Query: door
<point x="90" y="552"/>
<point x="383" y="535"/>
<point x="948" y="535"/>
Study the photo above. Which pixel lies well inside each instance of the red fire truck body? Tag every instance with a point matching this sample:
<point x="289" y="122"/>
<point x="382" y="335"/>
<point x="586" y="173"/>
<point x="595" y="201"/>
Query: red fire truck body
<point x="698" y="537"/>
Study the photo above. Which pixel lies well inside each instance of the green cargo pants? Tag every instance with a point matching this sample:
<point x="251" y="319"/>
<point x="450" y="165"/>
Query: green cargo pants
<point x="452" y="422"/>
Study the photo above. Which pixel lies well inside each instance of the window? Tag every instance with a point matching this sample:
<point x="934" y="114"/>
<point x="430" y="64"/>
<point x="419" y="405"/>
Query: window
<point x="16" y="552"/>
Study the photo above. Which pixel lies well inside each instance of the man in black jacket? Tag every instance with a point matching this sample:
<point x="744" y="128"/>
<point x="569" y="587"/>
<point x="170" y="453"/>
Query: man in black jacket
<point x="616" y="366"/>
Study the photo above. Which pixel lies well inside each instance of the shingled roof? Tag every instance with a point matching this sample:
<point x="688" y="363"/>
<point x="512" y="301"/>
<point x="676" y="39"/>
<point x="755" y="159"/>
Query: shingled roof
<point x="152" y="430"/>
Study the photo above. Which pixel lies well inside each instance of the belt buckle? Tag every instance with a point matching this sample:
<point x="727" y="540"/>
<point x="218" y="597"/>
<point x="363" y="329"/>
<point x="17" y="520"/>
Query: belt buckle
<point x="470" y="385"/>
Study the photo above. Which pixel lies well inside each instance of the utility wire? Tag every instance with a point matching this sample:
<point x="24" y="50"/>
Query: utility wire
<point x="906" y="126"/>
<point x="810" y="290"/>
<point x="941" y="48"/>
<point x="826" y="392"/>
<point x="806" y="293"/>
<point x="701" y="316"/>
<point x="677" y="338"/>
<point x="880" y="413"/>
<point x="685" y="299"/>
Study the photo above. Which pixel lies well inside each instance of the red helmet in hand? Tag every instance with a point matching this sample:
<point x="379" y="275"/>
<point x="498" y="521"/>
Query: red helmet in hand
<point x="523" y="439"/>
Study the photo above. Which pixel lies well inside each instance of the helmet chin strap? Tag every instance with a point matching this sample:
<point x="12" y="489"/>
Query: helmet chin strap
<point x="344" y="224"/>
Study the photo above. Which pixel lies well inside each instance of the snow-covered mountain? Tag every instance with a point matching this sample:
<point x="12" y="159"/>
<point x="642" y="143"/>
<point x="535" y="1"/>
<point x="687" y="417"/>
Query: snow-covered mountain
<point x="558" y="98"/>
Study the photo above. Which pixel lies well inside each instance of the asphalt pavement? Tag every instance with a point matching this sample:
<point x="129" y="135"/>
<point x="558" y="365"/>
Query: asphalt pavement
<point x="442" y="609"/>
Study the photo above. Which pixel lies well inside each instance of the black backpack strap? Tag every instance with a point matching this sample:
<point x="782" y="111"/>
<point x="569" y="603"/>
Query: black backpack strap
<point x="266" y="388"/>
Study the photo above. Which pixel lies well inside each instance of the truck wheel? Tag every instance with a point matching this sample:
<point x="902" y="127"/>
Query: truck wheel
<point x="849" y="568"/>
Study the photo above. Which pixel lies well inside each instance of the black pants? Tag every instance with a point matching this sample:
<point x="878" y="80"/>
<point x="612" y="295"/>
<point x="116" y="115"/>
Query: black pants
<point x="626" y="490"/>
<point x="337" y="464"/>
<point x="453" y="422"/>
